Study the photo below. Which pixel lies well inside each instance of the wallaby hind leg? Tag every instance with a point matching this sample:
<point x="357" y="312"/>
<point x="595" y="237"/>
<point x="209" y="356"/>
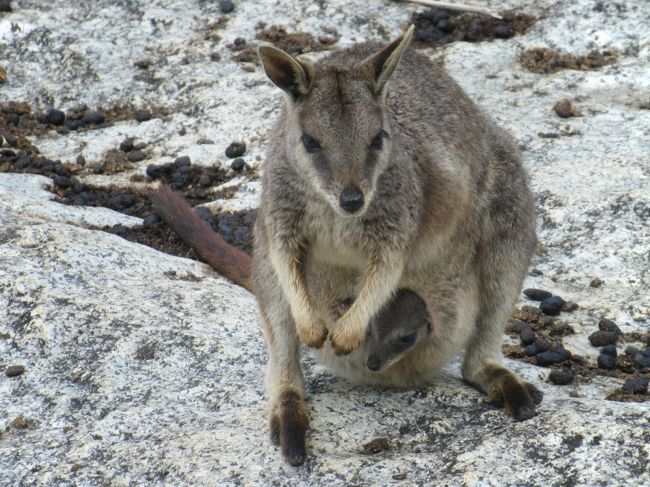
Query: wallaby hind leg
<point x="482" y="366"/>
<point x="284" y="383"/>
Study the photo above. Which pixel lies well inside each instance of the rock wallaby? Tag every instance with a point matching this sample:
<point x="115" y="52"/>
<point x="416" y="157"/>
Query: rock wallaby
<point x="381" y="174"/>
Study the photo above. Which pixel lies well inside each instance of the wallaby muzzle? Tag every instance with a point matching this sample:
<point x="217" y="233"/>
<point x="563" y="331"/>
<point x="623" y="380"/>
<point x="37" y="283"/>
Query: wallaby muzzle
<point x="351" y="199"/>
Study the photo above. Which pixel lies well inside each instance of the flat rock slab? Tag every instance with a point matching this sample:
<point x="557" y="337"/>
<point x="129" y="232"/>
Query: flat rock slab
<point x="147" y="369"/>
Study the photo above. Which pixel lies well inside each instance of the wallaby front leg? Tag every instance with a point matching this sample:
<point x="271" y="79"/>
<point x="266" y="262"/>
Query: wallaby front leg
<point x="287" y="263"/>
<point x="381" y="278"/>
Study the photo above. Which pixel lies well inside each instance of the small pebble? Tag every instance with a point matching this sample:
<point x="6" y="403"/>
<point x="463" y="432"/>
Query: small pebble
<point x="527" y="336"/>
<point x="142" y="115"/>
<point x="93" y="117"/>
<point x="399" y="476"/>
<point x="561" y="377"/>
<point x="609" y="350"/>
<point x="53" y="116"/>
<point x="204" y="141"/>
<point x="636" y="386"/>
<point x="596" y="282"/>
<point x="552" y="306"/>
<point x="606" y="361"/>
<point x="564" y="109"/>
<point x="182" y="161"/>
<point x="126" y="145"/>
<point x="545" y="359"/>
<point x="238" y="165"/>
<point x="226" y="6"/>
<point x="537" y="294"/>
<point x="14" y="370"/>
<point x="609" y="325"/>
<point x="136" y="156"/>
<point x="602" y="338"/>
<point x="504" y="32"/>
<point x="236" y="149"/>
<point x="139" y="146"/>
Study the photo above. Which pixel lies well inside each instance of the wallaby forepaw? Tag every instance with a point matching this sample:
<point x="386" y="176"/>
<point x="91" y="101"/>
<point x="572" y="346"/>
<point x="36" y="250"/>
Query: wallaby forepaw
<point x="344" y="341"/>
<point x="312" y="333"/>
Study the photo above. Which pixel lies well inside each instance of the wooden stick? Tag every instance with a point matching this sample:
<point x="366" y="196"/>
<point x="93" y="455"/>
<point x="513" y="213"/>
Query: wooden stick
<point x="456" y="6"/>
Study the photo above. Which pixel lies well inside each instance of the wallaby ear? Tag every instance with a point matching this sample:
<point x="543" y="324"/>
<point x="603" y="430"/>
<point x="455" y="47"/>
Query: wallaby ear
<point x="382" y="64"/>
<point x="285" y="71"/>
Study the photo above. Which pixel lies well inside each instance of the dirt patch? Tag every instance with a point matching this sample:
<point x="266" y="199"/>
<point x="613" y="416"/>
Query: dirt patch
<point x="375" y="446"/>
<point x="196" y="183"/>
<point x="437" y="27"/>
<point x="543" y="60"/>
<point x="292" y="42"/>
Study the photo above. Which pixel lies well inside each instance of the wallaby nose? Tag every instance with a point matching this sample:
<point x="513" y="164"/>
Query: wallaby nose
<point x="351" y="199"/>
<point x="374" y="363"/>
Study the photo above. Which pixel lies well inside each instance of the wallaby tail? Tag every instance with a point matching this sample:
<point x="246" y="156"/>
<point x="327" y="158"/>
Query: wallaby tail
<point x="223" y="257"/>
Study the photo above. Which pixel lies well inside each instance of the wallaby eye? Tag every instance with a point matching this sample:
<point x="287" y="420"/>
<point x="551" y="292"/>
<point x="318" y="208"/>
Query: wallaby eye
<point x="409" y="339"/>
<point x="378" y="140"/>
<point x="311" y="145"/>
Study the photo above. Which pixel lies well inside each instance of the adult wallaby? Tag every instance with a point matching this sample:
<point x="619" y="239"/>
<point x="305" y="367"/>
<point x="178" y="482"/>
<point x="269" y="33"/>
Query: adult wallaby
<point x="381" y="170"/>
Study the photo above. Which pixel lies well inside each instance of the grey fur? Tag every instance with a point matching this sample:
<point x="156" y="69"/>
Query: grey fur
<point x="447" y="214"/>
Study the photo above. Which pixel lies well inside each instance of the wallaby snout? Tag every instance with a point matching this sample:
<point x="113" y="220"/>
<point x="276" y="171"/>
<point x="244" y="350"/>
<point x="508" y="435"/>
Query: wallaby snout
<point x="351" y="200"/>
<point x="374" y="363"/>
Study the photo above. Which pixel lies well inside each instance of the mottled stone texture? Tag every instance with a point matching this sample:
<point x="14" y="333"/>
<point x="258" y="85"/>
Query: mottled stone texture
<point x="77" y="304"/>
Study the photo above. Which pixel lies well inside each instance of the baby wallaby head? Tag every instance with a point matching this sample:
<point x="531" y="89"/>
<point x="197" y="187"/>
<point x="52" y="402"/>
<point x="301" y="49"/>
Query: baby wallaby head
<point x="336" y="129"/>
<point x="402" y="325"/>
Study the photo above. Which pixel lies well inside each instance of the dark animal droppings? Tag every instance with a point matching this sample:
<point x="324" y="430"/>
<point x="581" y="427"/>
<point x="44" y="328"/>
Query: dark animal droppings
<point x="606" y="362"/>
<point x="182" y="161"/>
<point x="609" y="325"/>
<point x="94" y="117"/>
<point x="14" y="370"/>
<point x="238" y="165"/>
<point x="552" y="306"/>
<point x="636" y="386"/>
<point x="537" y="294"/>
<point x="527" y="336"/>
<point x="602" y="338"/>
<point x="53" y="116"/>
<point x="126" y="145"/>
<point x="136" y="156"/>
<point x="142" y="115"/>
<point x="609" y="350"/>
<point x="226" y="6"/>
<point x="236" y="149"/>
<point x="545" y="359"/>
<point x="503" y="32"/>
<point x="561" y="377"/>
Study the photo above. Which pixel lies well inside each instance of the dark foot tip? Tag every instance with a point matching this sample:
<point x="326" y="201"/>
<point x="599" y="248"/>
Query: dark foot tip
<point x="524" y="413"/>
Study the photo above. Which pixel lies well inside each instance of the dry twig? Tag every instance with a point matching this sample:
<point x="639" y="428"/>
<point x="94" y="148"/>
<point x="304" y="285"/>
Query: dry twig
<point x="456" y="6"/>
